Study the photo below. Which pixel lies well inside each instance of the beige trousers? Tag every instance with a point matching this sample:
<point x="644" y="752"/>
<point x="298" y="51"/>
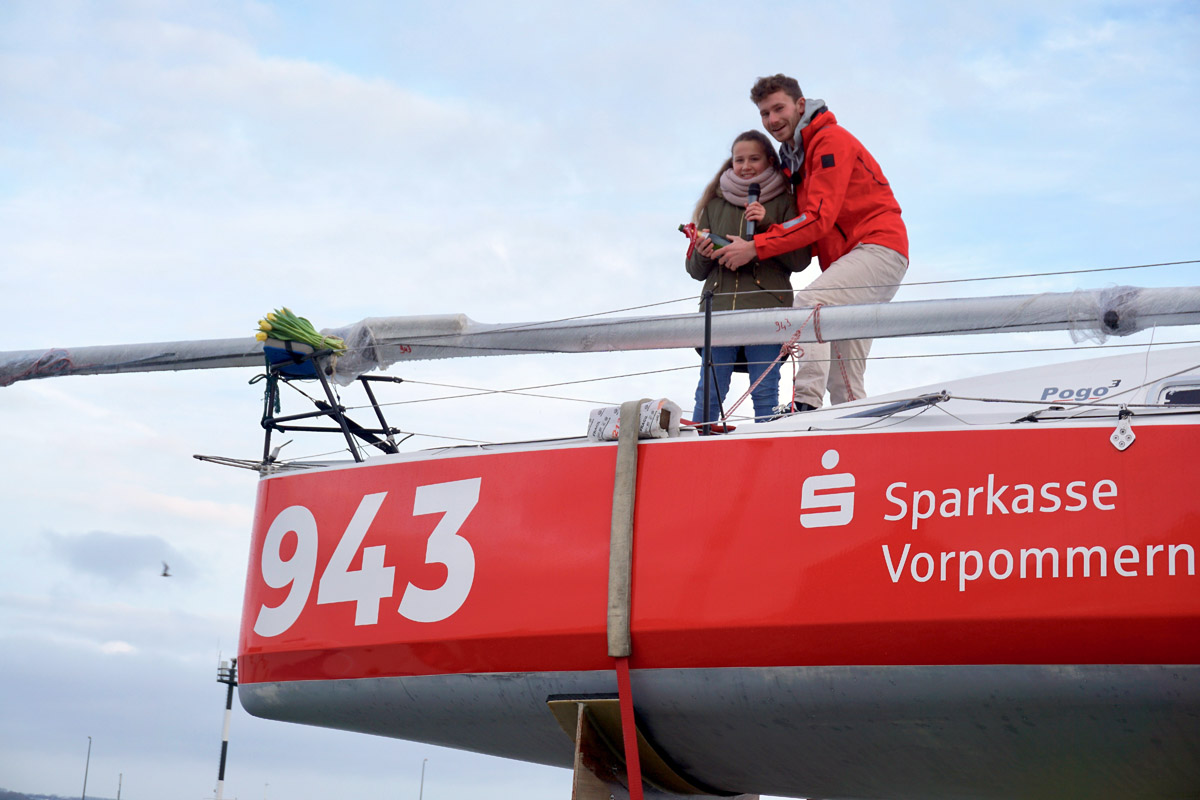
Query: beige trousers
<point x="870" y="273"/>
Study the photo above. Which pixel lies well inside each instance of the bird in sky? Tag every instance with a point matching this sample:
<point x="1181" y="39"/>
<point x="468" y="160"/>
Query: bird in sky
<point x="166" y="573"/>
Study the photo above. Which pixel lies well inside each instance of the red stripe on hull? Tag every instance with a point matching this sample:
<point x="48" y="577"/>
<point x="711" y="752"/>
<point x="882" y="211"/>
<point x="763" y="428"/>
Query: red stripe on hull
<point x="1099" y="641"/>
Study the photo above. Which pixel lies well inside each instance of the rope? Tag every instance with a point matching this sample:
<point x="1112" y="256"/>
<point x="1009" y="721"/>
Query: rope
<point x="784" y="351"/>
<point x="835" y="354"/>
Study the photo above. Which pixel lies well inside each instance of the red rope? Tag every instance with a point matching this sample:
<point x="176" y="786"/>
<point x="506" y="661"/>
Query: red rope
<point x="784" y="351"/>
<point x="845" y="377"/>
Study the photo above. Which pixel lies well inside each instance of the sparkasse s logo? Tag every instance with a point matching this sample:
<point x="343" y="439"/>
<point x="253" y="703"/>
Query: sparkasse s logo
<point x="820" y="504"/>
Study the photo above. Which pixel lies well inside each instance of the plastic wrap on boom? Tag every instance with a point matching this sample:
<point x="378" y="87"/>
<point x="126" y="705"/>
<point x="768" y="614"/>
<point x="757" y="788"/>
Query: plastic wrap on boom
<point x="1118" y="311"/>
<point x="25" y="365"/>
<point x="1115" y="311"/>
<point x="378" y="342"/>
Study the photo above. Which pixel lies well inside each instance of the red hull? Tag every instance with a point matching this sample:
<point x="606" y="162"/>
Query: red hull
<point x="732" y="570"/>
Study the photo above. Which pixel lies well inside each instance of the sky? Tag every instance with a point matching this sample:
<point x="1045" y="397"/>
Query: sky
<point x="174" y="170"/>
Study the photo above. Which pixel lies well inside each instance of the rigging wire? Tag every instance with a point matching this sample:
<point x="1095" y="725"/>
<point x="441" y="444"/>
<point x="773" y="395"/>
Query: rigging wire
<point x="477" y="391"/>
<point x="904" y="284"/>
<point x="1081" y="407"/>
<point x="369" y="453"/>
<point x="429" y="340"/>
<point x="891" y="419"/>
<point x="1026" y="350"/>
<point x="481" y="392"/>
<point x="527" y="391"/>
<point x="1051" y="274"/>
<point x="365" y="451"/>
<point x="433" y="337"/>
<point x="887" y="421"/>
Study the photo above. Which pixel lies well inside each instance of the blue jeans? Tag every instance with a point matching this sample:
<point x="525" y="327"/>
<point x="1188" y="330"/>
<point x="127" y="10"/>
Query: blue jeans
<point x="759" y="359"/>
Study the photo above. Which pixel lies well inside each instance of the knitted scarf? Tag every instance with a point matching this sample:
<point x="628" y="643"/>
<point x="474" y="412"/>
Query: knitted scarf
<point x="736" y="190"/>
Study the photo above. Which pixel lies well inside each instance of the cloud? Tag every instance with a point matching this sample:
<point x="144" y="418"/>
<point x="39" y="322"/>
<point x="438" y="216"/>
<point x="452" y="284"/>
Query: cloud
<point x="117" y="558"/>
<point x="172" y="170"/>
<point x="249" y="120"/>
<point x="165" y="506"/>
<point x="104" y="621"/>
<point x="159" y="721"/>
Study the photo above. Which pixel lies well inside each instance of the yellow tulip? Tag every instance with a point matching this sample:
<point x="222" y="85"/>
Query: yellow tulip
<point x="261" y="336"/>
<point x="264" y="325"/>
<point x="271" y="316"/>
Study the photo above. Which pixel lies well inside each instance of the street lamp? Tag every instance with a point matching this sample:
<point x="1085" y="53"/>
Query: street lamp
<point x="86" y="764"/>
<point x="227" y="674"/>
<point x="421" y="794"/>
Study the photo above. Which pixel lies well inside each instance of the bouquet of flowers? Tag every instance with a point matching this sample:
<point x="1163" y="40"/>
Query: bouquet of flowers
<point x="284" y="325"/>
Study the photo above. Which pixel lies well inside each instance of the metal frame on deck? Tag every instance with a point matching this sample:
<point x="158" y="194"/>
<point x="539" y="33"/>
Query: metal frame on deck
<point x="317" y="366"/>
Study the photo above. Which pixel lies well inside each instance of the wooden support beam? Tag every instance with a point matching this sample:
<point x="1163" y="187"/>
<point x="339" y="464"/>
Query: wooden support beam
<point x="594" y="724"/>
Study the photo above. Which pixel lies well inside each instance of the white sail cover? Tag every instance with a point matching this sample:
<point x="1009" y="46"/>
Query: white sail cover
<point x="378" y="342"/>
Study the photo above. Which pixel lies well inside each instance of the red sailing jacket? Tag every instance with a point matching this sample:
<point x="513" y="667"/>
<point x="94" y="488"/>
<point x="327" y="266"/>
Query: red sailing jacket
<point x="842" y="197"/>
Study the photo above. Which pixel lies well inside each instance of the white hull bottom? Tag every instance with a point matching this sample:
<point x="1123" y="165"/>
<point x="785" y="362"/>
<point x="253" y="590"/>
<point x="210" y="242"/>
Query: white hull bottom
<point x="998" y="731"/>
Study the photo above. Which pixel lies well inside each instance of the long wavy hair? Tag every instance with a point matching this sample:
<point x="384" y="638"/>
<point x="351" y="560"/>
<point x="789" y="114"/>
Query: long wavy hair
<point x="710" y="191"/>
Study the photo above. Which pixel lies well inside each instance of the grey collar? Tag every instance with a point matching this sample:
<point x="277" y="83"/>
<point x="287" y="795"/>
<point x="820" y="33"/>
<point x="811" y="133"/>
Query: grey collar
<point x="792" y="153"/>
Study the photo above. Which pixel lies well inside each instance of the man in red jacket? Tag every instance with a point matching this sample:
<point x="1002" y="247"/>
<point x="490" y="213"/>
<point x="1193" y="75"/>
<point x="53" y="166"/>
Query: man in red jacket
<point x="846" y="212"/>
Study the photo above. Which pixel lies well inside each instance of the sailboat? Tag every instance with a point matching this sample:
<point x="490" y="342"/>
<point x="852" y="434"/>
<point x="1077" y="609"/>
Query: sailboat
<point x="981" y="587"/>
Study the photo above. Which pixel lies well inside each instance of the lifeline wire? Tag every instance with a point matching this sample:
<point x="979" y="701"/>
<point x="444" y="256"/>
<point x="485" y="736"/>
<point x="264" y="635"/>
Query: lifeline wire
<point x="911" y="283"/>
<point x="904" y="284"/>
<point x="729" y="414"/>
<point x="887" y="421"/>
<point x="525" y="325"/>
<point x="480" y="391"/>
<point x="371" y="453"/>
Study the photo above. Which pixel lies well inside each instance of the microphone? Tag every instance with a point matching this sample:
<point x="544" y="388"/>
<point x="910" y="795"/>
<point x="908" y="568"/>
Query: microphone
<point x="751" y="197"/>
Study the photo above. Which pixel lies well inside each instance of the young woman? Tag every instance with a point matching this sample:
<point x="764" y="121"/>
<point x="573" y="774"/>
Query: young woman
<point x="724" y="209"/>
